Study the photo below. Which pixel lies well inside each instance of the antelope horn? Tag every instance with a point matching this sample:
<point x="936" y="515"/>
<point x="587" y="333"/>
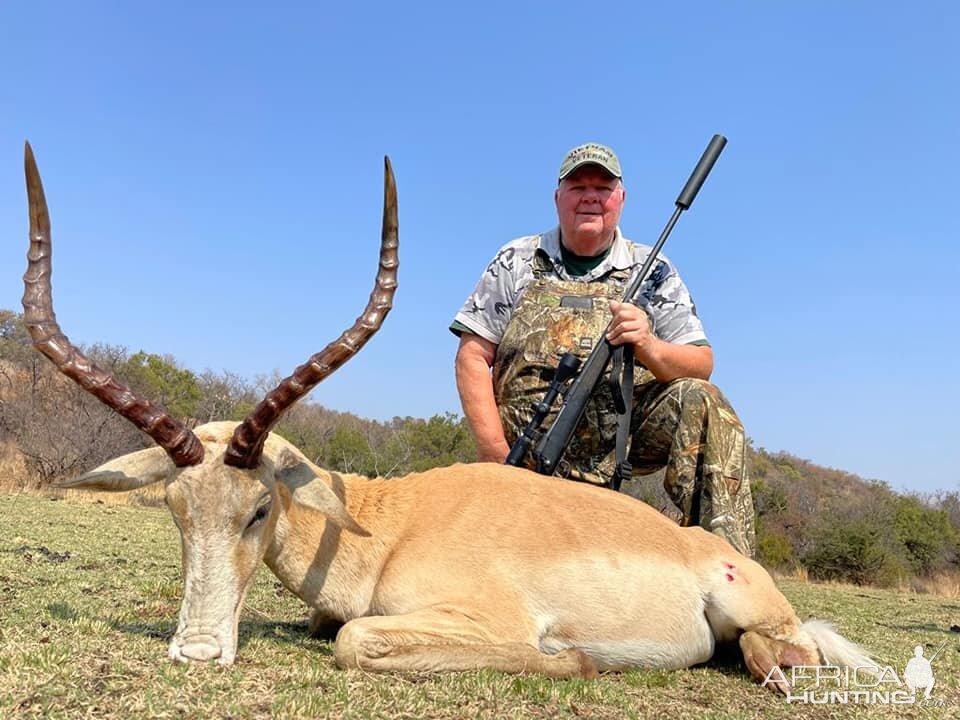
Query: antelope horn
<point x="181" y="444"/>
<point x="246" y="446"/>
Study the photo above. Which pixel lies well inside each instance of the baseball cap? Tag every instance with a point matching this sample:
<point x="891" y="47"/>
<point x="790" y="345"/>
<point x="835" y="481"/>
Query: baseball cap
<point x="590" y="154"/>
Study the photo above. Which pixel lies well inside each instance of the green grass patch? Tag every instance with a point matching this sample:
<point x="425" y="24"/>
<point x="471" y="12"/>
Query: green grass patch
<point x="90" y="595"/>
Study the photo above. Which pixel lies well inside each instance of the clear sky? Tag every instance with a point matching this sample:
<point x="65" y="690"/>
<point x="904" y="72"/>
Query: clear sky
<point x="214" y="175"/>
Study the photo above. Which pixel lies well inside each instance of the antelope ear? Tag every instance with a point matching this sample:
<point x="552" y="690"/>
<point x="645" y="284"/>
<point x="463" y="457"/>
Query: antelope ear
<point x="127" y="472"/>
<point x="309" y="490"/>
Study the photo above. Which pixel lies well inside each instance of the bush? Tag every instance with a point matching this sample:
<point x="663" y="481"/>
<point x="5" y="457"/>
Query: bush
<point x="774" y="549"/>
<point x="923" y="534"/>
<point x="769" y="498"/>
<point x="854" y="552"/>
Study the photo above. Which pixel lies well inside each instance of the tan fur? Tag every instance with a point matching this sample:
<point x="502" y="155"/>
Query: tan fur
<point x="462" y="567"/>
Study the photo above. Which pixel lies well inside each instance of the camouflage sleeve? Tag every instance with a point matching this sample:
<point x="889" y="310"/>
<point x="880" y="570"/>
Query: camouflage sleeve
<point x="489" y="307"/>
<point x="671" y="307"/>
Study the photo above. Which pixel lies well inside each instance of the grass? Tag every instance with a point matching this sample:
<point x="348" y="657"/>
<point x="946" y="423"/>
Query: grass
<point x="90" y="594"/>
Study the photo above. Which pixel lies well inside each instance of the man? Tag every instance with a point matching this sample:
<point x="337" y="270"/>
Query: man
<point x="544" y="295"/>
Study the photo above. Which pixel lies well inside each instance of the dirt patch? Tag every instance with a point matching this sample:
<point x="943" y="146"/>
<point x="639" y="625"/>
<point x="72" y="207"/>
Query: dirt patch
<point x="28" y="552"/>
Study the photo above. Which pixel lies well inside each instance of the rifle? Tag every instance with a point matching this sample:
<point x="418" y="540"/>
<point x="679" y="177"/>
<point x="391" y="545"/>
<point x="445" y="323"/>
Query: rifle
<point x="937" y="653"/>
<point x="553" y="443"/>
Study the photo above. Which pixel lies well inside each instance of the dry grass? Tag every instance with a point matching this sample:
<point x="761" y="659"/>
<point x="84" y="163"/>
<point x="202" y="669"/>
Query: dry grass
<point x="149" y="496"/>
<point x="90" y="594"/>
<point x="944" y="584"/>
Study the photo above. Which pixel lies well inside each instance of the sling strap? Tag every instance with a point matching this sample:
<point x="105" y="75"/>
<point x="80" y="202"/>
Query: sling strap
<point x="621" y="386"/>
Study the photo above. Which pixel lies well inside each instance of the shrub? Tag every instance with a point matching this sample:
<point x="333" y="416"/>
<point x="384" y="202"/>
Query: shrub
<point x="854" y="552"/>
<point x="923" y="534"/>
<point x="774" y="549"/>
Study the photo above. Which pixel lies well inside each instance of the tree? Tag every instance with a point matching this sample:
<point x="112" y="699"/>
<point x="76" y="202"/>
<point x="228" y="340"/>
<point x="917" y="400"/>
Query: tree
<point x="224" y="396"/>
<point x="924" y="533"/>
<point x="59" y="428"/>
<point x="348" y="451"/>
<point x="438" y="441"/>
<point x="164" y="382"/>
<point x="15" y="346"/>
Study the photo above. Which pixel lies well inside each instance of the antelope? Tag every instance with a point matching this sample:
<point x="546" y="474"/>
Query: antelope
<point x="457" y="568"/>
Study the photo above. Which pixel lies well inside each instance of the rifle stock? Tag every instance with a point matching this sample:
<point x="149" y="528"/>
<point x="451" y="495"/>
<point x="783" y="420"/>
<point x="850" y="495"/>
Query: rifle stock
<point x="553" y="443"/>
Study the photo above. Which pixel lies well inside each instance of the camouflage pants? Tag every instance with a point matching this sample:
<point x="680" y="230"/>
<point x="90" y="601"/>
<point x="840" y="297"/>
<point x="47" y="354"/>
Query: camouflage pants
<point x="688" y="427"/>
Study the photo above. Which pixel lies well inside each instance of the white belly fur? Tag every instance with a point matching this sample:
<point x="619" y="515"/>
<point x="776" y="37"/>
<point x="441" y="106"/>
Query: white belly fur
<point x="624" y="654"/>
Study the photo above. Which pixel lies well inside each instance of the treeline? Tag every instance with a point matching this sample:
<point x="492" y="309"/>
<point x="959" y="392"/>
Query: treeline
<point x="838" y="526"/>
<point x="830" y="523"/>
<point x="62" y="431"/>
<point x="833" y="525"/>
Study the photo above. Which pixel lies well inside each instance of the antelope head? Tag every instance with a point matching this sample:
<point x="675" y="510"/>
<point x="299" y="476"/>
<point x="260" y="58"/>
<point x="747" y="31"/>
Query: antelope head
<point x="226" y="485"/>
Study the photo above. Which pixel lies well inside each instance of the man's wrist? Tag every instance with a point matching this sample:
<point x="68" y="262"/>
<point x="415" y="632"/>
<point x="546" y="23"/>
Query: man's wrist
<point x="645" y="351"/>
<point x="495" y="451"/>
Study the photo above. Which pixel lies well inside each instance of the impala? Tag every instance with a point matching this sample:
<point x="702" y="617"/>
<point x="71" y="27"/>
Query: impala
<point x="457" y="568"/>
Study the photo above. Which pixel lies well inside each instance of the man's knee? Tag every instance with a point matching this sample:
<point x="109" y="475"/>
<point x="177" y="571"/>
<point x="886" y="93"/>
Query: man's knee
<point x="697" y="389"/>
<point x="701" y="399"/>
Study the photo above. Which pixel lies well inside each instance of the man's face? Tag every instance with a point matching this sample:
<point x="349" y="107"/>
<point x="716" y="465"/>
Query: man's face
<point x="589" y="201"/>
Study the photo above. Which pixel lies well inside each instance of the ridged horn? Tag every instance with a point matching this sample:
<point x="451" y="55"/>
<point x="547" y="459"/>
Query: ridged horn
<point x="246" y="446"/>
<point x="181" y="444"/>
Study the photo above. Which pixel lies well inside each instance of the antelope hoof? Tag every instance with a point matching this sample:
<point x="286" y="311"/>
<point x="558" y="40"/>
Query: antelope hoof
<point x="588" y="670"/>
<point x="761" y="658"/>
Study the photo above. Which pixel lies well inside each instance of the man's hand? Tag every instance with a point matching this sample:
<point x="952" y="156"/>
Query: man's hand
<point x="667" y="361"/>
<point x="630" y="324"/>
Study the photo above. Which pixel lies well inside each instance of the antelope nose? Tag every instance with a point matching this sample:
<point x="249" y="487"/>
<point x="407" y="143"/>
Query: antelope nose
<point x="200" y="647"/>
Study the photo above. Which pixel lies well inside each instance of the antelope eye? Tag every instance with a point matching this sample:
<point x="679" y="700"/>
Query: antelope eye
<point x="260" y="515"/>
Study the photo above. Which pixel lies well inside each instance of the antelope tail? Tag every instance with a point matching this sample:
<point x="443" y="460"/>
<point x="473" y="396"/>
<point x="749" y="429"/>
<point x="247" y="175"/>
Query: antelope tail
<point x="834" y="648"/>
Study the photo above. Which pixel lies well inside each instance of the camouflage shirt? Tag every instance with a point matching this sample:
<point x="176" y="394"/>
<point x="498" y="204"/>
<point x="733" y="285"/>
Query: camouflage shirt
<point x="663" y="295"/>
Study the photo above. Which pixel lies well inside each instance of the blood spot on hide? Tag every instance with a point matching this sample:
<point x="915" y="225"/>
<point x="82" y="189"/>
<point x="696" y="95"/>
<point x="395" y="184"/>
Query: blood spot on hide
<point x="730" y="575"/>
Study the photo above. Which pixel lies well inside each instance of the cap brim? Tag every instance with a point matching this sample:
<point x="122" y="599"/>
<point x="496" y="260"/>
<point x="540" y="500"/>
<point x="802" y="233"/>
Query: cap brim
<point x="589" y="161"/>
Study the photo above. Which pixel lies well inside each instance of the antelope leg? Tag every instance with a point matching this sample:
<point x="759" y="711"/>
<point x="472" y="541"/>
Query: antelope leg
<point x="443" y="640"/>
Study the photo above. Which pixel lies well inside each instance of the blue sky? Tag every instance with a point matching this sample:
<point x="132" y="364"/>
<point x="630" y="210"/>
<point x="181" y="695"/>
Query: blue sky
<point x="214" y="177"/>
